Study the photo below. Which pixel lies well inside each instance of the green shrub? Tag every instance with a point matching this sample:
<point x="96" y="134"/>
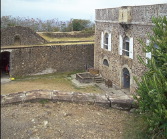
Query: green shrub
<point x="152" y="88"/>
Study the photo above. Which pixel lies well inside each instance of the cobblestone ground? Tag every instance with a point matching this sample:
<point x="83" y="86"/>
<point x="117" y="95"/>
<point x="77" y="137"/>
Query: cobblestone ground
<point x="48" y="120"/>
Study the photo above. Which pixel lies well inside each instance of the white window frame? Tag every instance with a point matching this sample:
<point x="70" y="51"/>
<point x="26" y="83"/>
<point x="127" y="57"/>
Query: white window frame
<point x="121" y="49"/>
<point x="104" y="45"/>
<point x="120" y="44"/>
<point x="102" y="41"/>
<point x="124" y="43"/>
<point x="148" y="54"/>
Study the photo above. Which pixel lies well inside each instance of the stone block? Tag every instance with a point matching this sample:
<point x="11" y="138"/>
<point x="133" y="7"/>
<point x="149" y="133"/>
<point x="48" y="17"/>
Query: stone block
<point x="62" y="96"/>
<point x="123" y="104"/>
<point x="43" y="94"/>
<point x="102" y="101"/>
<point x="83" y="97"/>
<point x="31" y="95"/>
<point x="13" y="98"/>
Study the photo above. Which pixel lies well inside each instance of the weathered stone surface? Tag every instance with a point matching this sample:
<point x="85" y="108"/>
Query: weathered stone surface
<point x="102" y="100"/>
<point x="62" y="96"/>
<point x="39" y="60"/>
<point x="124" y="104"/>
<point x="40" y="94"/>
<point x="25" y="35"/>
<point x="30" y="96"/>
<point x="97" y="99"/>
<point x="13" y="98"/>
<point x="83" y="97"/>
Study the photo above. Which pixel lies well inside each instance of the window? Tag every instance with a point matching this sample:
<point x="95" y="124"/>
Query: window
<point x="148" y="54"/>
<point x="105" y="62"/>
<point x="106" y="41"/>
<point x="126" y="46"/>
<point x="125" y="50"/>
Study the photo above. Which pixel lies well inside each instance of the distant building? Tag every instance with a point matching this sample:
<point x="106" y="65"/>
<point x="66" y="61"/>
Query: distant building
<point x="116" y="42"/>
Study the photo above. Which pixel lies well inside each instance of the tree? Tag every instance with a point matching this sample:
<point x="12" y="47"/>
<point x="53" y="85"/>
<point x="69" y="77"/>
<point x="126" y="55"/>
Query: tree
<point x="152" y="88"/>
<point x="79" y="24"/>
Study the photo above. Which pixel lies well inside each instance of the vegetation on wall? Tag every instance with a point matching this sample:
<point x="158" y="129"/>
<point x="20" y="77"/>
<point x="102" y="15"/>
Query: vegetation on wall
<point x="53" y="25"/>
<point x="152" y="88"/>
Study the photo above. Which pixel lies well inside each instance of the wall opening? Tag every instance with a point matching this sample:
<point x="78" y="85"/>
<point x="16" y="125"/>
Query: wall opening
<point x="126" y="78"/>
<point x="106" y="41"/>
<point x="17" y="40"/>
<point x="105" y="62"/>
<point x="5" y="63"/>
<point x="125" y="49"/>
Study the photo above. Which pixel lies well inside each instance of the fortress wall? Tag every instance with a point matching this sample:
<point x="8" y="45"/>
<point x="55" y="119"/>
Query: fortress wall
<point x="49" y="59"/>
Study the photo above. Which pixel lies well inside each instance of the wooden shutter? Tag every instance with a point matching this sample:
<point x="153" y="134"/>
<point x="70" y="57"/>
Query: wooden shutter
<point x="131" y="48"/>
<point x="109" y="42"/>
<point x="120" y="44"/>
<point x="102" y="39"/>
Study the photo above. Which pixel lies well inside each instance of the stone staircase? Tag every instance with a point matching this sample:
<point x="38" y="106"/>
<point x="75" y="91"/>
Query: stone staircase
<point x="98" y="79"/>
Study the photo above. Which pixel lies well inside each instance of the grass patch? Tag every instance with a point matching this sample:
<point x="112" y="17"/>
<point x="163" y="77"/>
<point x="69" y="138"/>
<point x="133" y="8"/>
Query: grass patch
<point x="43" y="101"/>
<point x="135" y="128"/>
<point x="51" y="39"/>
<point x="55" y="81"/>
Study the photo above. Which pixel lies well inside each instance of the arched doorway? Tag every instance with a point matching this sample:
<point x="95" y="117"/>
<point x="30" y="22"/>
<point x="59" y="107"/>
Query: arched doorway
<point x="4" y="60"/>
<point x="17" y="40"/>
<point x="126" y="78"/>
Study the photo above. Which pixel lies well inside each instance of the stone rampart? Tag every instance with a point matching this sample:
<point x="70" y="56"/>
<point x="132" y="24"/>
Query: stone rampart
<point x="38" y="60"/>
<point x="18" y="35"/>
<point x="139" y="14"/>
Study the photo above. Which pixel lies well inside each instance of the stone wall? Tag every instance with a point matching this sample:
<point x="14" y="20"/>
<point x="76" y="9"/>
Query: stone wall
<point x="49" y="59"/>
<point x="137" y="29"/>
<point x="20" y="36"/>
<point x="77" y="34"/>
<point x="139" y="13"/>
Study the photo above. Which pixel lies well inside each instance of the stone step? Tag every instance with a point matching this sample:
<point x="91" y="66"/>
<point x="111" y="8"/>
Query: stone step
<point x="99" y="81"/>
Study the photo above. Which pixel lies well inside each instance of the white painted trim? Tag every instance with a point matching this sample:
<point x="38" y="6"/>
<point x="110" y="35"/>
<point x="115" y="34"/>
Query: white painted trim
<point x="148" y="54"/>
<point x="102" y="40"/>
<point x="131" y="48"/>
<point x="120" y="45"/>
<point x="109" y="42"/>
<point x="8" y="50"/>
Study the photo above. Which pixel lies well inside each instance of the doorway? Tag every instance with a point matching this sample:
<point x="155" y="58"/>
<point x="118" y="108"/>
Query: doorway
<point x="5" y="63"/>
<point x="126" y="78"/>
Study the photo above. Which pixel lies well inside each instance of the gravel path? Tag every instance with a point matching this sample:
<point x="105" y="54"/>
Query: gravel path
<point x="61" y="121"/>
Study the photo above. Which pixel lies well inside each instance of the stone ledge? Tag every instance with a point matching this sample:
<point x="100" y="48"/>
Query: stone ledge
<point x="76" y="97"/>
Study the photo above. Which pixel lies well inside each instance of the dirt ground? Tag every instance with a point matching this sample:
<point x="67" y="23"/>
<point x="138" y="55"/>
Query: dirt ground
<point x="60" y="120"/>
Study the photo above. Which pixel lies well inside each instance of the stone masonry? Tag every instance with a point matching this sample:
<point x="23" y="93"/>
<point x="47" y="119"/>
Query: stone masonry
<point x="38" y="60"/>
<point x="18" y="35"/>
<point x="113" y="26"/>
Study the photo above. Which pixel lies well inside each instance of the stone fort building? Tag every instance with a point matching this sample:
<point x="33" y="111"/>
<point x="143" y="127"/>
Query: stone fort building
<point x="116" y="43"/>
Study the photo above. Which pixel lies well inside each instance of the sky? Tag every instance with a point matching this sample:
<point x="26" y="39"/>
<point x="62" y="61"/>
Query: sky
<point x="64" y="10"/>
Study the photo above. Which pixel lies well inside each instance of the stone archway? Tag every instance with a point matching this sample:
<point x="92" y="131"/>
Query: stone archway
<point x="17" y="40"/>
<point x="4" y="60"/>
<point x="126" y="78"/>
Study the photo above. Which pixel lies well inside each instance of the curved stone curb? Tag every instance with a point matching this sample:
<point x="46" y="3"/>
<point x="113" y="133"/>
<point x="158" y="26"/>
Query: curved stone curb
<point x="54" y="95"/>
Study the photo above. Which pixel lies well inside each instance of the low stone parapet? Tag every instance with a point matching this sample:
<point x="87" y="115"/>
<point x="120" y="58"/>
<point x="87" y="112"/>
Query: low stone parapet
<point x="76" y="97"/>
